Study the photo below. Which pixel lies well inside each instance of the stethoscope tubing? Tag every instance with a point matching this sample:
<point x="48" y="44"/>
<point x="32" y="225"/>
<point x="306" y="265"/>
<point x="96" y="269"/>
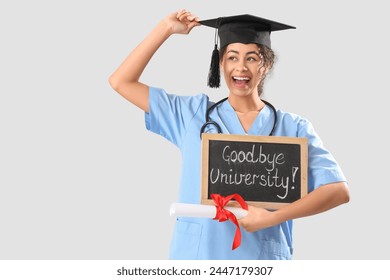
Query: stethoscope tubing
<point x="210" y="122"/>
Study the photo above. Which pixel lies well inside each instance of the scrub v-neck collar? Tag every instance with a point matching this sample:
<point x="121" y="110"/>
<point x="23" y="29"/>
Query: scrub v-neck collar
<point x="261" y="125"/>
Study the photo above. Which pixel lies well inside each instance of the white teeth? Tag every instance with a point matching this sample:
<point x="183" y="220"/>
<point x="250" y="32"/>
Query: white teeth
<point x="241" y="78"/>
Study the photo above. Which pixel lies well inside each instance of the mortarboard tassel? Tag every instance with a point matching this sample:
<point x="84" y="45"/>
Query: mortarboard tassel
<point x="214" y="75"/>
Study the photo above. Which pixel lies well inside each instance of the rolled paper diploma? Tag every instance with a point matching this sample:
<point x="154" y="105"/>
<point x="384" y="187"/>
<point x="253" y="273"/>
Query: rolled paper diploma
<point x="202" y="211"/>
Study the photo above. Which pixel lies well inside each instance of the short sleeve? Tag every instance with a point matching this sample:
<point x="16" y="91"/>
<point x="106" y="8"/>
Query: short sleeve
<point x="169" y="114"/>
<point x="322" y="166"/>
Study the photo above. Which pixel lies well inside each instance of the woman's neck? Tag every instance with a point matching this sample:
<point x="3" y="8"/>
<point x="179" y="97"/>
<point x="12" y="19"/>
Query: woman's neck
<point x="246" y="104"/>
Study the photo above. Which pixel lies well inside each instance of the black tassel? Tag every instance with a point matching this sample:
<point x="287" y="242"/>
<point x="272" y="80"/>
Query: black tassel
<point x="214" y="75"/>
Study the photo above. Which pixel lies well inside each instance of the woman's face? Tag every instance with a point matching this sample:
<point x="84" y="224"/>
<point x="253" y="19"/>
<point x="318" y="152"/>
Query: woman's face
<point x="242" y="67"/>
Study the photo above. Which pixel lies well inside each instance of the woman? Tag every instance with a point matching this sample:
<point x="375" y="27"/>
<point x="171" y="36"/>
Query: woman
<point x="179" y="119"/>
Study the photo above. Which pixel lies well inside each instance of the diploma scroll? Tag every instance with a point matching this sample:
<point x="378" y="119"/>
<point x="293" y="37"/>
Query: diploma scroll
<point x="202" y="211"/>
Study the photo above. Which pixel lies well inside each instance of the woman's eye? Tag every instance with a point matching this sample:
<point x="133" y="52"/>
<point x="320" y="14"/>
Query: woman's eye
<point x="232" y="58"/>
<point x="251" y="58"/>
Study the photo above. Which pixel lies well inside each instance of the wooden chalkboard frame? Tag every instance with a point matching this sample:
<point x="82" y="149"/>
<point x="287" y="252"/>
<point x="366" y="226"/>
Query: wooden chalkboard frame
<point x="207" y="137"/>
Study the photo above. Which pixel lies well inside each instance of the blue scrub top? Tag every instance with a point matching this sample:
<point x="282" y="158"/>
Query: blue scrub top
<point x="179" y="119"/>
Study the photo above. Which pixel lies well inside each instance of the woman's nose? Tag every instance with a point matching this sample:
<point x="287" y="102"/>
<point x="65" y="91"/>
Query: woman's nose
<point x="241" y="66"/>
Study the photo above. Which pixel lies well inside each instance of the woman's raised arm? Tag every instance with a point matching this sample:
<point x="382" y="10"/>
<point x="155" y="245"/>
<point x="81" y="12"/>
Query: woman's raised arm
<point x="125" y="79"/>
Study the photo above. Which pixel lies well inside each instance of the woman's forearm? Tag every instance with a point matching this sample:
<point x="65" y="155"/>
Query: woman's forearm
<point x="125" y="80"/>
<point x="133" y="66"/>
<point x="320" y="200"/>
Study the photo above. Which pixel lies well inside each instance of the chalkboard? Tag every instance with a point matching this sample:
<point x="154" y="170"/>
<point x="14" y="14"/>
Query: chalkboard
<point x="267" y="171"/>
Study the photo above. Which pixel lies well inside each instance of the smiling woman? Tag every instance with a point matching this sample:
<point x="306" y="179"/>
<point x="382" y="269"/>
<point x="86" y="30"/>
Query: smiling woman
<point x="244" y="70"/>
<point x="245" y="61"/>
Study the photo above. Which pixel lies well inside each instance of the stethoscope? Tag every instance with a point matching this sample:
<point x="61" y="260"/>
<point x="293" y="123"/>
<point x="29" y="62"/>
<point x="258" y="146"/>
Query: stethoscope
<point x="210" y="122"/>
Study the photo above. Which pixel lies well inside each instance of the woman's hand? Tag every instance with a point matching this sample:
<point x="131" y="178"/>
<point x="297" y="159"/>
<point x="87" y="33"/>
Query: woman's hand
<point x="182" y="22"/>
<point x="257" y="219"/>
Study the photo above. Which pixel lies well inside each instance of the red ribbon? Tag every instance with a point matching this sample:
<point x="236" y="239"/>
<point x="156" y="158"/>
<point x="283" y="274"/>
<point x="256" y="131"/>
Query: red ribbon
<point x="223" y="214"/>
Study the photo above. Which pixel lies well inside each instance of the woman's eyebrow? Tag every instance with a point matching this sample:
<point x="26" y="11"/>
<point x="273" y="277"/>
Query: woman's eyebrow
<point x="251" y="52"/>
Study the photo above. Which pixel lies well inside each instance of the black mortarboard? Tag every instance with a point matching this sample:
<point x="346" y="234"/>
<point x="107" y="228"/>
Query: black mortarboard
<point x="244" y="29"/>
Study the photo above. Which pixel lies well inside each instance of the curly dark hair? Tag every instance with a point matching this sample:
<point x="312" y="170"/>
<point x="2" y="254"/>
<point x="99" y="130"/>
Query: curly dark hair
<point x="268" y="57"/>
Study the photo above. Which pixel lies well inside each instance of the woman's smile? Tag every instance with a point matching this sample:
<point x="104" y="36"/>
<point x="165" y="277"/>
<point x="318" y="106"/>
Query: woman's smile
<point x="240" y="81"/>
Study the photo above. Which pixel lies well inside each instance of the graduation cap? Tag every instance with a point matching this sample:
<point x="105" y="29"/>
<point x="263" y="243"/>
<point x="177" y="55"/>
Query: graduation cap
<point x="244" y="29"/>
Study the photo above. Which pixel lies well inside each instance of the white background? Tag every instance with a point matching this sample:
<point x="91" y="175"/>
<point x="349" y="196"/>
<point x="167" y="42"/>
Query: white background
<point x="81" y="178"/>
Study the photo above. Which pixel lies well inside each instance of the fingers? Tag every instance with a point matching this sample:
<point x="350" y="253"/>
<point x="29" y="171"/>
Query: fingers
<point x="187" y="17"/>
<point x="182" y="22"/>
<point x="257" y="219"/>
<point x="192" y="25"/>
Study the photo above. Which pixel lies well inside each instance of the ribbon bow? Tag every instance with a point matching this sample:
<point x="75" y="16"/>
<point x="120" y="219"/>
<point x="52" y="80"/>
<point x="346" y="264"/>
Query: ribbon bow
<point x="223" y="214"/>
